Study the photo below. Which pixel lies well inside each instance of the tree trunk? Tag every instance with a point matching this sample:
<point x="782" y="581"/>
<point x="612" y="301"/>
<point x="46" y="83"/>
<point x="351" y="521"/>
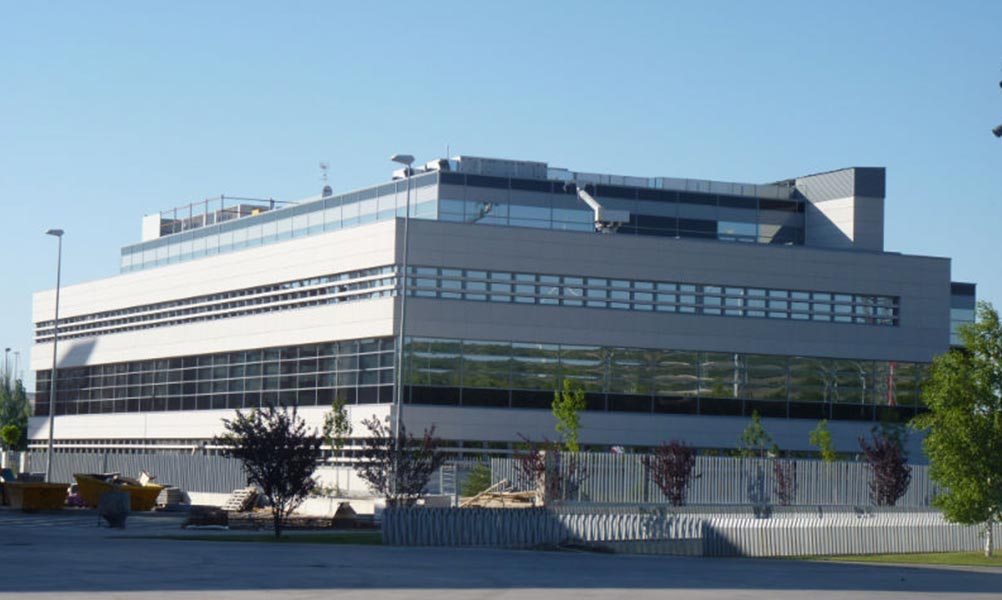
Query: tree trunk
<point x="988" y="537"/>
<point x="276" y="516"/>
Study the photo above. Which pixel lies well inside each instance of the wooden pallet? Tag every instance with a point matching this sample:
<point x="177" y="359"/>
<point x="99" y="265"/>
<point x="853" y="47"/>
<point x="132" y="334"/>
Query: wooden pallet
<point x="240" y="500"/>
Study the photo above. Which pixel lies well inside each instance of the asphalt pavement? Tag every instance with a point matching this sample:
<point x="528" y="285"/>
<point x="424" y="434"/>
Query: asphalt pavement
<point x="66" y="555"/>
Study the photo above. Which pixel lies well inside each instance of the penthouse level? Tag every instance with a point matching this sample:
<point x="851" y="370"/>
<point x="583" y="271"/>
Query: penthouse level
<point x="841" y="209"/>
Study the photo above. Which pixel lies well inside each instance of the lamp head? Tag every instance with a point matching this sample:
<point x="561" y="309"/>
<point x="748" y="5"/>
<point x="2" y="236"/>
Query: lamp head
<point x="404" y="159"/>
<point x="55" y="232"/>
<point x="997" y="131"/>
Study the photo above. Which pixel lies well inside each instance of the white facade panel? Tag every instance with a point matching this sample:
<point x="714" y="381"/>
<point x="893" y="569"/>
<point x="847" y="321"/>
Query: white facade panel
<point x="350" y="320"/>
<point x="180" y="425"/>
<point x="337" y="251"/>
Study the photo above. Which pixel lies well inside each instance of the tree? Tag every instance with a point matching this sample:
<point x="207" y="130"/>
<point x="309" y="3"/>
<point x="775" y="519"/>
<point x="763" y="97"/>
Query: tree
<point x="821" y="438"/>
<point x="279" y="454"/>
<point x="14" y="408"/>
<point x="670" y="468"/>
<point x="398" y="471"/>
<point x="337" y="428"/>
<point x="567" y="406"/>
<point x="964" y="425"/>
<point x="891" y="474"/>
<point x="11" y="436"/>
<point x="755" y="441"/>
<point x="552" y="474"/>
<point x="478" y="480"/>
<point x="784" y="473"/>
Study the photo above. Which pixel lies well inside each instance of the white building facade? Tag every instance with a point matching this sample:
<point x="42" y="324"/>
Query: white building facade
<point x="678" y="306"/>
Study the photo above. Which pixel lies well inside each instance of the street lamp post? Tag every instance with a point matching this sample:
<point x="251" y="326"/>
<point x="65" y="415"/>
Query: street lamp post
<point x="6" y="363"/>
<point x="997" y="130"/>
<point x="58" y="233"/>
<point x="398" y="400"/>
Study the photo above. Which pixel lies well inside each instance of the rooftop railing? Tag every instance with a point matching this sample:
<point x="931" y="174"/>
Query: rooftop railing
<point x="214" y="210"/>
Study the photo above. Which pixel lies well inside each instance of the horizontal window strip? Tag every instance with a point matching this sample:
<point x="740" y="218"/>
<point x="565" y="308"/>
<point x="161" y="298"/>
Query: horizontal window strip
<point x="315" y="291"/>
<point x="498" y="371"/>
<point x="354" y="371"/>
<point x="652" y="296"/>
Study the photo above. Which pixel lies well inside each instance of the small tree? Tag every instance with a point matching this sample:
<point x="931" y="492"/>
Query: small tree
<point x="670" y="468"/>
<point x="279" y="454"/>
<point x="337" y="428"/>
<point x="553" y="475"/>
<point x="11" y="436"/>
<point x="15" y="408"/>
<point x="784" y="473"/>
<point x="890" y="474"/>
<point x="964" y="425"/>
<point x="567" y="406"/>
<point x="821" y="438"/>
<point x="755" y="441"/>
<point x="398" y="471"/>
<point x="478" y="480"/>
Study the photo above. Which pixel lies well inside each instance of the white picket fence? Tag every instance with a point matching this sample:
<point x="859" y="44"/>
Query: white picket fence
<point x="695" y="535"/>
<point x="622" y="479"/>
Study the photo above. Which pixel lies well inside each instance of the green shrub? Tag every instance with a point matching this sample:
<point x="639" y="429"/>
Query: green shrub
<point x="478" y="480"/>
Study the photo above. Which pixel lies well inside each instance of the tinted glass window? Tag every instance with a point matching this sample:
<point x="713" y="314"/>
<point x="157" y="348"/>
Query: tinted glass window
<point x="534" y="185"/>
<point x="694" y="198"/>
<point x="487" y="181"/>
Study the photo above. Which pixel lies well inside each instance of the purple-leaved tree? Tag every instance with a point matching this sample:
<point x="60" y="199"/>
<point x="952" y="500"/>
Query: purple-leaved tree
<point x="670" y="468"/>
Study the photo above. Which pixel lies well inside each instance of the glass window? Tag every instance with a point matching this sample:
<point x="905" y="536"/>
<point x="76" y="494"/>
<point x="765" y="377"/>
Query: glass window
<point x="736" y="231"/>
<point x="712" y="300"/>
<point x="734" y="301"/>
<point x="778" y="304"/>
<point x="525" y="293"/>
<point x="620" y="294"/>
<point x="573" y="291"/>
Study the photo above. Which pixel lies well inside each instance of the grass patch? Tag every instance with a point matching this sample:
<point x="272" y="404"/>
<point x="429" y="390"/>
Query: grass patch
<point x="365" y="538"/>
<point x="963" y="559"/>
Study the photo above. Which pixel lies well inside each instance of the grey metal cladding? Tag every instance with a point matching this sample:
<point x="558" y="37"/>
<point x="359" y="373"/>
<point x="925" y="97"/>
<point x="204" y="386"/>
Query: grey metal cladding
<point x="870" y="182"/>
<point x="826" y="186"/>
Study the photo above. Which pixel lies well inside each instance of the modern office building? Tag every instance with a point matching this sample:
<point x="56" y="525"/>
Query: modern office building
<point x="680" y="306"/>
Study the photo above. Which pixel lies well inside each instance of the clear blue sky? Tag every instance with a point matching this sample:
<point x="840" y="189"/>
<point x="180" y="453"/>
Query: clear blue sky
<point x="112" y="110"/>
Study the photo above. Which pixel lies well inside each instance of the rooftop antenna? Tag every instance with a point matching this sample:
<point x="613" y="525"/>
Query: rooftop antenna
<point x="324" y="168"/>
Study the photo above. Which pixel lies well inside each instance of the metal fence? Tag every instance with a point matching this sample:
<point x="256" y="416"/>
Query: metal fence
<point x="666" y="533"/>
<point x="527" y="528"/>
<point x="191" y="473"/>
<point x="882" y="533"/>
<point x="197" y="472"/>
<point x="622" y="478"/>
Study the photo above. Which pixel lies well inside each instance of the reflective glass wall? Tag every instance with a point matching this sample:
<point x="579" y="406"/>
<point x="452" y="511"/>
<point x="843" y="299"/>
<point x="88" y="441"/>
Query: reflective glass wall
<point x="356" y="371"/>
<point x="547" y="204"/>
<point x="503" y="374"/>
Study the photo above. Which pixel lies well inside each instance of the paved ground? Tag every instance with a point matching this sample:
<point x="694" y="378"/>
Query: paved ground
<point x="65" y="555"/>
